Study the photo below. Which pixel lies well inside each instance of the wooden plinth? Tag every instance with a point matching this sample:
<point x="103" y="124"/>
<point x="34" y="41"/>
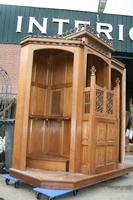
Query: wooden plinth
<point x="66" y="180"/>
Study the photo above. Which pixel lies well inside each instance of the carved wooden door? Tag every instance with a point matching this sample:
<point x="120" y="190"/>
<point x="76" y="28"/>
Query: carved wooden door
<point x="106" y="145"/>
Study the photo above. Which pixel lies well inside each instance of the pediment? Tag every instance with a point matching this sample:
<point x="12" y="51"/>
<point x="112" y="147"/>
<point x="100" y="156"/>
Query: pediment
<point x="87" y="33"/>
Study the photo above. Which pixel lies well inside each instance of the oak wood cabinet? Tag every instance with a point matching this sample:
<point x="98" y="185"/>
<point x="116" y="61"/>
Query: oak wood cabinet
<point x="70" y="106"/>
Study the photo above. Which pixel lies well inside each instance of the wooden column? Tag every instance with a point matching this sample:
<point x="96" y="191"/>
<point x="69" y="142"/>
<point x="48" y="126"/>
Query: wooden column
<point x="22" y="111"/>
<point x="117" y="100"/>
<point x="92" y="120"/>
<point x="123" y="117"/>
<point x="77" y="110"/>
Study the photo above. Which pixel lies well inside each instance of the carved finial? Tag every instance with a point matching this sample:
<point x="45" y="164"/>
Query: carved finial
<point x="93" y="71"/>
<point x="117" y="81"/>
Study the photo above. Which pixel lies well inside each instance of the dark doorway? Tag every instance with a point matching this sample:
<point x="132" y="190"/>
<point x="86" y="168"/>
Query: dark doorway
<point x="128" y="61"/>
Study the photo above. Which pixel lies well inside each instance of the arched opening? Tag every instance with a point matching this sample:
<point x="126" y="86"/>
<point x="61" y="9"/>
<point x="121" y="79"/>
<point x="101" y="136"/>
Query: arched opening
<point x="50" y="110"/>
<point x="102" y="75"/>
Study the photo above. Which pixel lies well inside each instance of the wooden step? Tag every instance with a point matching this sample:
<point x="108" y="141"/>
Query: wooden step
<point x="66" y="180"/>
<point x="48" y="162"/>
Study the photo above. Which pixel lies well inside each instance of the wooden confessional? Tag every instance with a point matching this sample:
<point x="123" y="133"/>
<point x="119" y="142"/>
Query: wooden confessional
<point x="70" y="111"/>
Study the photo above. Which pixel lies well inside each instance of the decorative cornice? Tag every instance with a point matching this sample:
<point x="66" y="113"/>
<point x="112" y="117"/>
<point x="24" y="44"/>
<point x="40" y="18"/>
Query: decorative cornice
<point x="75" y="37"/>
<point x="50" y="40"/>
<point x="88" y="29"/>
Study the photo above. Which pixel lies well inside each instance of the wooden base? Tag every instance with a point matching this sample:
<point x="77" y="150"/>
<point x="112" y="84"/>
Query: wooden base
<point x="66" y="180"/>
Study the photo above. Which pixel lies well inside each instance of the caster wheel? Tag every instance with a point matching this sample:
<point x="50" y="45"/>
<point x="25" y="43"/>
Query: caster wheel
<point x="38" y="196"/>
<point x="75" y="192"/>
<point x="16" y="184"/>
<point x="7" y="181"/>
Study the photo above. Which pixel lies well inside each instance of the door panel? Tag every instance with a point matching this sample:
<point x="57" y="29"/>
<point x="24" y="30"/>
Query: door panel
<point x="105" y="146"/>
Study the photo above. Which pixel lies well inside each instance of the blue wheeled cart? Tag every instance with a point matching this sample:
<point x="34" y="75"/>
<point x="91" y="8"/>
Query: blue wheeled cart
<point x="9" y="179"/>
<point x="52" y="193"/>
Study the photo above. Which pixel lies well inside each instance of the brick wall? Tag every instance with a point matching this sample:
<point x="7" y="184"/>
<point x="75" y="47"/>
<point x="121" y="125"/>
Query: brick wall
<point x="9" y="60"/>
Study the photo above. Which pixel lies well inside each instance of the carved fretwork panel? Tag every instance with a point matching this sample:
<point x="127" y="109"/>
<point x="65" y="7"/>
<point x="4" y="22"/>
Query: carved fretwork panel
<point x="109" y="105"/>
<point x="99" y="101"/>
